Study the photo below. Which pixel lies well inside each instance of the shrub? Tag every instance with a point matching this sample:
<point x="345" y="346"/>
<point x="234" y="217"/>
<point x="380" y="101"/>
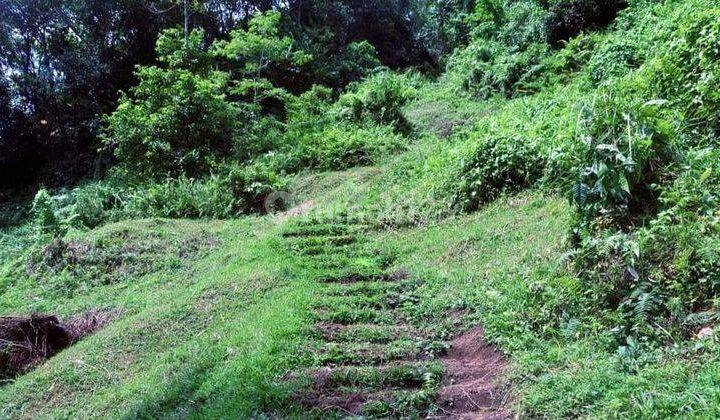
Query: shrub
<point x="44" y="214"/>
<point x="486" y="68"/>
<point x="688" y="73"/>
<point x="94" y="204"/>
<point x="174" y="123"/>
<point x="340" y="146"/>
<point x="629" y="148"/>
<point x="356" y="61"/>
<point x="661" y="278"/>
<point x="613" y="59"/>
<point x="254" y="183"/>
<point x="680" y="248"/>
<point x="646" y="237"/>
<point x="558" y="68"/>
<point x="497" y="164"/>
<point x="310" y="111"/>
<point x="236" y="191"/>
<point x="233" y="191"/>
<point x="524" y="25"/>
<point x="186" y="117"/>
<point x="261" y="52"/>
<point x="182" y="198"/>
<point x="177" y="119"/>
<point x="470" y="68"/>
<point x="379" y="99"/>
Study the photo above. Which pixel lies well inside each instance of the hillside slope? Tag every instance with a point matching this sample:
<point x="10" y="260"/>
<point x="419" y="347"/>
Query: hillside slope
<point x="217" y="335"/>
<point x="544" y="213"/>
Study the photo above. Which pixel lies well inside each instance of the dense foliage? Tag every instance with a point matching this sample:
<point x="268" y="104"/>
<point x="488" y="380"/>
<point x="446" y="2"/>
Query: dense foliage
<point x="64" y="63"/>
<point x="627" y="133"/>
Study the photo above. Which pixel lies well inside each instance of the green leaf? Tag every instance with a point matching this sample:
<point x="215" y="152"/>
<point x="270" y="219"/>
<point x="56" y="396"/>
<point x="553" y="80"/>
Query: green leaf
<point x="705" y="175"/>
<point x="624" y="184"/>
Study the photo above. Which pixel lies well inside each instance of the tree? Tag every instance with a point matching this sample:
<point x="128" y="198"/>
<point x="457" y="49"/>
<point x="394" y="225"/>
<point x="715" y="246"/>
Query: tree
<point x="260" y="58"/>
<point x="177" y="120"/>
<point x="185" y="116"/>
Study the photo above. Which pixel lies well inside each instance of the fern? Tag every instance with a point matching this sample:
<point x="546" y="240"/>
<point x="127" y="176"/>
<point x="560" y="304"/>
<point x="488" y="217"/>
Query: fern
<point x="644" y="303"/>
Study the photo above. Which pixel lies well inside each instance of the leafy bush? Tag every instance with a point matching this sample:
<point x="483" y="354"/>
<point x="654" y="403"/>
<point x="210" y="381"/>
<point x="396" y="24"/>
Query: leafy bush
<point x="559" y="68"/>
<point x="310" y="111"/>
<point x="470" y="67"/>
<point x="340" y="146"/>
<point x="237" y="191"/>
<point x="524" y="24"/>
<point x="486" y="17"/>
<point x="252" y="184"/>
<point x="355" y="62"/>
<point x="612" y="60"/>
<point x="646" y="236"/>
<point x="44" y="214"/>
<point x="688" y="73"/>
<point x="507" y="45"/>
<point x="94" y="204"/>
<point x="680" y="248"/>
<point x="662" y="277"/>
<point x="496" y="165"/>
<point x="182" y="198"/>
<point x="185" y="118"/>
<point x="379" y="99"/>
<point x="486" y="68"/>
<point x="233" y="191"/>
<point x="261" y="50"/>
<point x="324" y="135"/>
<point x="515" y="24"/>
<point x="630" y="146"/>
<point x="174" y="123"/>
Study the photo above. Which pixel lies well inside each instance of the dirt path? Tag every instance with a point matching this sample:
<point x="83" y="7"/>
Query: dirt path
<point x="470" y="389"/>
<point x="371" y="359"/>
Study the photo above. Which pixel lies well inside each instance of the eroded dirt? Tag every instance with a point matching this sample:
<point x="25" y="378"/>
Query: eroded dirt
<point x="27" y="341"/>
<point x="371" y="358"/>
<point x="470" y="389"/>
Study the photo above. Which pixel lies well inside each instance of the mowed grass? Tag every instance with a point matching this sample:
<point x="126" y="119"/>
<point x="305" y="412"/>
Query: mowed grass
<point x="202" y="338"/>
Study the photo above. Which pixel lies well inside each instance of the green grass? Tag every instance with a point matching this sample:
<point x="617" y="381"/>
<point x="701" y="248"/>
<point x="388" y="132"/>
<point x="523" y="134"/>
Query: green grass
<point x="211" y="336"/>
<point x="503" y="267"/>
<point x="204" y="339"/>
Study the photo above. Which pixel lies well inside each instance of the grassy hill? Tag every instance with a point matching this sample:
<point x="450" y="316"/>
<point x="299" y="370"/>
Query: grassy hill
<point x="561" y="198"/>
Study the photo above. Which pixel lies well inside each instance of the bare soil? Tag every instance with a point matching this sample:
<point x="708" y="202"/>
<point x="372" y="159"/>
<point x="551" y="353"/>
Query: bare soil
<point x="469" y="389"/>
<point x="384" y="366"/>
<point x="27" y="341"/>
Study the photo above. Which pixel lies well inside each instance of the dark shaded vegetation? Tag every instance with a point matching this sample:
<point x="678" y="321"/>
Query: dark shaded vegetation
<point x="569" y="18"/>
<point x="64" y="64"/>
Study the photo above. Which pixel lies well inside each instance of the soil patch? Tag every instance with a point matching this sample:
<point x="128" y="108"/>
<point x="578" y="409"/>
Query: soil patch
<point x="469" y="390"/>
<point x="27" y="341"/>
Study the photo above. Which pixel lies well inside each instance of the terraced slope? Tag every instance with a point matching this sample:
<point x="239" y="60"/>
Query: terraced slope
<point x="306" y="317"/>
<point x="370" y="358"/>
